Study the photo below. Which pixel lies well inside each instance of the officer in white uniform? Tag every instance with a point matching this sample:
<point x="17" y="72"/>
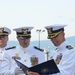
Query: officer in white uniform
<point x="4" y="32"/>
<point x="24" y="53"/>
<point x="64" y="55"/>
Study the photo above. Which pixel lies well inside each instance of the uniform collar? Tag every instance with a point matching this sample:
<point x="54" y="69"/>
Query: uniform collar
<point x="21" y="47"/>
<point x="62" y="46"/>
<point x="3" y="48"/>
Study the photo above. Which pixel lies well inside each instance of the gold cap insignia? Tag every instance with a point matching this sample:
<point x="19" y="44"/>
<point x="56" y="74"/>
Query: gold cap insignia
<point x="49" y="30"/>
<point x="25" y="31"/>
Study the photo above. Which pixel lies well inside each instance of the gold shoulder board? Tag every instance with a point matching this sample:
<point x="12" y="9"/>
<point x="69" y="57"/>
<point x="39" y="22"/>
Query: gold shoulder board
<point x="69" y="47"/>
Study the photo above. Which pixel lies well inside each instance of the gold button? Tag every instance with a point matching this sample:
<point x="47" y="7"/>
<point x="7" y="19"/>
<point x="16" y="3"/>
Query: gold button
<point x="24" y="60"/>
<point x="1" y="52"/>
<point x="0" y="60"/>
<point x="24" y="52"/>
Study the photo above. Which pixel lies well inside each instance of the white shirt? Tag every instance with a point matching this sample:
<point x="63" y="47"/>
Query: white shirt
<point x="8" y="65"/>
<point x="66" y="64"/>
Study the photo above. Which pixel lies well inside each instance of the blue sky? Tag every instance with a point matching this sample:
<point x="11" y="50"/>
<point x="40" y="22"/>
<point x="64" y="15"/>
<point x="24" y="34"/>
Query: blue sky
<point x="37" y="13"/>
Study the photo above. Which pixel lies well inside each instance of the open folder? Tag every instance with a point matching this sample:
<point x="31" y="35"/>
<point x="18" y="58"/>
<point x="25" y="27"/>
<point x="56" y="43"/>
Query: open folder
<point x="48" y="67"/>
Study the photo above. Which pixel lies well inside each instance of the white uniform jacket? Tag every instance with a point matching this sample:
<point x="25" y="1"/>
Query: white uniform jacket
<point x="8" y="65"/>
<point x="64" y="57"/>
<point x="2" y="51"/>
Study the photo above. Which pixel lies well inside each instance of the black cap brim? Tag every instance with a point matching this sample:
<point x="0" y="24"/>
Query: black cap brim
<point x="24" y="37"/>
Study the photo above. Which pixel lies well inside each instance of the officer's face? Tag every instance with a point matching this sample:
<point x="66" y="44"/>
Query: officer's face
<point x="59" y="39"/>
<point x="3" y="40"/>
<point x="24" y="42"/>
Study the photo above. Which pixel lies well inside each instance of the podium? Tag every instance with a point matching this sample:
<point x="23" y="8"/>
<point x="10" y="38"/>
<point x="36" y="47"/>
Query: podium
<point x="45" y="68"/>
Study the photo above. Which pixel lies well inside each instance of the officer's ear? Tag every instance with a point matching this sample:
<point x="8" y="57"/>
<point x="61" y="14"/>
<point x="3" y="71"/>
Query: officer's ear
<point x="17" y="37"/>
<point x="6" y="37"/>
<point x="63" y="34"/>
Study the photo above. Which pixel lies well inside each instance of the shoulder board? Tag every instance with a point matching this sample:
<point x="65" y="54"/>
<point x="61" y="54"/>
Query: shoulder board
<point x="56" y="49"/>
<point x="69" y="47"/>
<point x="38" y="48"/>
<point x="10" y="48"/>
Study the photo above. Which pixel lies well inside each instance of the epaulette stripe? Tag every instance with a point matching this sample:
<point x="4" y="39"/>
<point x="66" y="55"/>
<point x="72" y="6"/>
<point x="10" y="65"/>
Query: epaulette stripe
<point x="10" y="48"/>
<point x="38" y="48"/>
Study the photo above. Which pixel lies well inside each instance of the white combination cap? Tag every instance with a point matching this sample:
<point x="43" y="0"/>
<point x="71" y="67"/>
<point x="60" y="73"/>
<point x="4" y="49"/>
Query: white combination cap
<point x="23" y="32"/>
<point x="54" y="30"/>
<point x="4" y="31"/>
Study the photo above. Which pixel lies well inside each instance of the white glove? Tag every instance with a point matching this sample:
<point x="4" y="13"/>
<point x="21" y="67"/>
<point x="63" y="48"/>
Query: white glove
<point x="18" y="70"/>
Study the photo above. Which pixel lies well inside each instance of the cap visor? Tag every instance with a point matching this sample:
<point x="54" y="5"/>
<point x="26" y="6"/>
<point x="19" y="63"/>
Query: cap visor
<point x="24" y="37"/>
<point x="53" y="35"/>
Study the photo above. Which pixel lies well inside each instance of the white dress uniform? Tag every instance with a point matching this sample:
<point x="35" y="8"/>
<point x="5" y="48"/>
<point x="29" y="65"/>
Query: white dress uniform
<point x="64" y="52"/>
<point x="2" y="51"/>
<point x="8" y="65"/>
<point x="64" y="55"/>
<point x="4" y="31"/>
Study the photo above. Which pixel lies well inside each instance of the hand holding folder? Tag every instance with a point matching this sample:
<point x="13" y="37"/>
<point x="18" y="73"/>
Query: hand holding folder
<point x="48" y="67"/>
